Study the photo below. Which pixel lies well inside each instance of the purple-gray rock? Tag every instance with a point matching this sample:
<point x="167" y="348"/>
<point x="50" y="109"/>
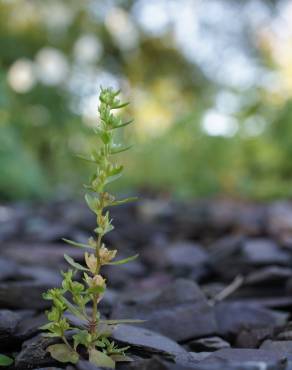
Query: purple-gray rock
<point x="146" y="341"/>
<point x="8" y="323"/>
<point x="179" y="311"/>
<point x="229" y="356"/>
<point x="34" y="355"/>
<point x="208" y="344"/>
<point x="234" y="316"/>
<point x="263" y="252"/>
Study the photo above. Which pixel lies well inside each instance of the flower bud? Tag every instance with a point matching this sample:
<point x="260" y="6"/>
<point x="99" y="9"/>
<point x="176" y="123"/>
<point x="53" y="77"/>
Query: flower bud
<point x="91" y="262"/>
<point x="106" y="255"/>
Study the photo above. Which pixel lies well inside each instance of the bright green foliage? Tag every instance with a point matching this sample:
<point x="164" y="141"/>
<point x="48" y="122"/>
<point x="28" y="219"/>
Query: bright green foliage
<point x="5" y="360"/>
<point x="74" y="296"/>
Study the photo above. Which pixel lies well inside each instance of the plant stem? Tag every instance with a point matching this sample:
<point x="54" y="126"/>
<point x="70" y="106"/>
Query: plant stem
<point x="93" y="322"/>
<point x="66" y="342"/>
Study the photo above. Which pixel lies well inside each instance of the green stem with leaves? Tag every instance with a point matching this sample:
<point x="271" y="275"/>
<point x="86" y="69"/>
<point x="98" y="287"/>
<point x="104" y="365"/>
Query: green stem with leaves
<point x="101" y="351"/>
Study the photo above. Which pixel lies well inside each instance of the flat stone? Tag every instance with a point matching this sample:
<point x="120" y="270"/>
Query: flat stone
<point x="244" y="356"/>
<point x="34" y="355"/>
<point x="225" y="256"/>
<point x="8" y="269"/>
<point x="264" y="251"/>
<point x="280" y="346"/>
<point x="281" y="303"/>
<point x="280" y="217"/>
<point x="252" y="338"/>
<point x="146" y="341"/>
<point x="53" y="368"/>
<point x="270" y="274"/>
<point x="155" y="363"/>
<point x="49" y="255"/>
<point x="179" y="311"/>
<point x="43" y="230"/>
<point x="86" y="365"/>
<point x="208" y="344"/>
<point x="158" y="364"/>
<point x="29" y="327"/>
<point x="185" y="254"/>
<point x="234" y="316"/>
<point x="8" y="323"/>
<point x="27" y="293"/>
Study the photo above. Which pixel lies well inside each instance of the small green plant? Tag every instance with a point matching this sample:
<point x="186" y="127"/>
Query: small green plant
<point x="5" y="360"/>
<point x="74" y="296"/>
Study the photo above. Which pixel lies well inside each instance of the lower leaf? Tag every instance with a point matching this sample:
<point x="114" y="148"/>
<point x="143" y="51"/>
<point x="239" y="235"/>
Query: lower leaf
<point x="5" y="360"/>
<point x="121" y="358"/>
<point x="101" y="359"/>
<point x="62" y="353"/>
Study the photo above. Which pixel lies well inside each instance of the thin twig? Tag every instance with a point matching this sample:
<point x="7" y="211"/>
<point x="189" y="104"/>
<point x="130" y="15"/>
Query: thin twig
<point x="227" y="291"/>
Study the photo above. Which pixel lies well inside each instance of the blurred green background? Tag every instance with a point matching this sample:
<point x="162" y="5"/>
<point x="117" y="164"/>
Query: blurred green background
<point x="210" y="85"/>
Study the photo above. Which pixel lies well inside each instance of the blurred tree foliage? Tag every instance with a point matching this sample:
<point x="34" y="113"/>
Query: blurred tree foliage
<point x="54" y="54"/>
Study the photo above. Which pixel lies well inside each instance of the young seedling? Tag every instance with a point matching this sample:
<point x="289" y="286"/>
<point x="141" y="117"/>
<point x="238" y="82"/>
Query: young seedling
<point x="74" y="296"/>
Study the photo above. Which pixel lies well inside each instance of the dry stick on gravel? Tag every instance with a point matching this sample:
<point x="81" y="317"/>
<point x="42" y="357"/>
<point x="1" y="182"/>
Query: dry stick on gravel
<point x="227" y="291"/>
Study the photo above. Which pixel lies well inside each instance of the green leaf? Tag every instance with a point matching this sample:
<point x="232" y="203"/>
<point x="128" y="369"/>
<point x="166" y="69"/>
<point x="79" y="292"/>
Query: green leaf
<point x="123" y="261"/>
<point x="80" y="156"/>
<point x="125" y="124"/>
<point x="5" y="360"/>
<point x="121" y="358"/>
<point x="101" y="359"/>
<point x="105" y="137"/>
<point x="112" y="178"/>
<point x="123" y="321"/>
<point x="76" y="244"/>
<point x="120" y="149"/>
<point x="51" y="335"/>
<point x="114" y="174"/>
<point x="74" y="264"/>
<point x="91" y="202"/>
<point x="73" y="309"/>
<point x="82" y="337"/>
<point x="62" y="353"/>
<point x="123" y="201"/>
<point x="122" y="105"/>
<point x="46" y="326"/>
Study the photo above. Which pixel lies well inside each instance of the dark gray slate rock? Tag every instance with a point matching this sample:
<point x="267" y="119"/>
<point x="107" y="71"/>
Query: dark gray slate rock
<point x="179" y="311"/>
<point x="208" y="344"/>
<point x="53" y="368"/>
<point x="235" y="316"/>
<point x="34" y="355"/>
<point x="283" y="346"/>
<point x="252" y="338"/>
<point x="185" y="254"/>
<point x="29" y="327"/>
<point x="225" y="256"/>
<point x="280" y="218"/>
<point x="8" y="269"/>
<point x="86" y="365"/>
<point x="8" y="323"/>
<point x="244" y="356"/>
<point x="156" y="363"/>
<point x="27" y="293"/>
<point x="146" y="341"/>
<point x="263" y="252"/>
<point x="268" y="275"/>
<point x="43" y="230"/>
<point x="49" y="255"/>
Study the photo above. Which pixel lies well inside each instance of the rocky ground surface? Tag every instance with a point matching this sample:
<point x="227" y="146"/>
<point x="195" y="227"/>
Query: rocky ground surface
<point x="213" y="282"/>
